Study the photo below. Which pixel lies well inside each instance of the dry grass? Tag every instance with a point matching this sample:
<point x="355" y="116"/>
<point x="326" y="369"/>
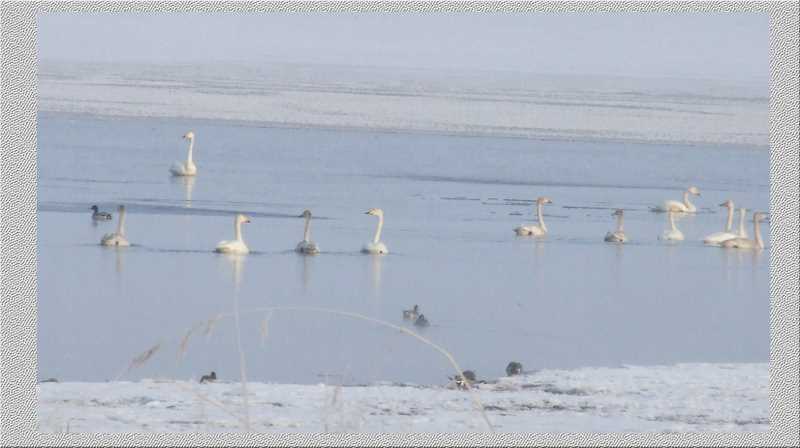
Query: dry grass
<point x="268" y="311"/>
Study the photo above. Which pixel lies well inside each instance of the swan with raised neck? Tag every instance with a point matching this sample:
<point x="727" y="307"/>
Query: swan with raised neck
<point x="718" y="237"/>
<point x="237" y="245"/>
<point x="117" y="238"/>
<point x="376" y="246"/>
<point x="618" y="235"/>
<point x="187" y="168"/>
<point x="682" y="207"/>
<point x="673" y="233"/>
<point x="307" y="246"/>
<point x="747" y="243"/>
<point x="539" y="229"/>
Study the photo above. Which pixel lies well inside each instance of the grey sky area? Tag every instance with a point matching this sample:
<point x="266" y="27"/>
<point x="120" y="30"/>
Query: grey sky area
<point x="722" y="46"/>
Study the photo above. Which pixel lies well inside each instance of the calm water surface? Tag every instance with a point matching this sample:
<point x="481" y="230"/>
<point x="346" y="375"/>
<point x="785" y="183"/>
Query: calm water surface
<point x="450" y="202"/>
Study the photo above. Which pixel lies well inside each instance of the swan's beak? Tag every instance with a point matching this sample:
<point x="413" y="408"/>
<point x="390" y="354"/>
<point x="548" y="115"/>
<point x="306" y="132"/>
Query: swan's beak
<point x="366" y="213"/>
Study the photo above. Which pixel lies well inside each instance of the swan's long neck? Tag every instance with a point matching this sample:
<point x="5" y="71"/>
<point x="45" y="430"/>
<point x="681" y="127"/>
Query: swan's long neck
<point x="307" y="231"/>
<point x="729" y="224"/>
<point x="742" y="230"/>
<point x="757" y="231"/>
<point x="377" y="238"/>
<point x="619" y="224"/>
<point x="237" y="230"/>
<point x="189" y="154"/>
<point x="672" y="222"/>
<point x="686" y="202"/>
<point x="539" y="207"/>
<point x="121" y="223"/>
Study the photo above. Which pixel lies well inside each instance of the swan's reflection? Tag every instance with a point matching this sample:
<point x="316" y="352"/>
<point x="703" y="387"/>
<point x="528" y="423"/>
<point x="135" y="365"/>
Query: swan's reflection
<point x="118" y="256"/>
<point x="188" y="186"/>
<point x="236" y="263"/>
<point x="305" y="273"/>
<point x="376" y="268"/>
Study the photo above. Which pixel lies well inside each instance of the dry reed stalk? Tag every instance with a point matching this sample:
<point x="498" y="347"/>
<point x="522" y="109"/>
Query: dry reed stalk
<point x="139" y="360"/>
<point x="210" y="324"/>
<point x="473" y="395"/>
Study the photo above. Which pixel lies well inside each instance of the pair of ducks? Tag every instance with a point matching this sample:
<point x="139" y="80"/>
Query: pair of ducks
<point x="463" y="381"/>
<point x="415" y="316"/>
<point x="237" y="246"/>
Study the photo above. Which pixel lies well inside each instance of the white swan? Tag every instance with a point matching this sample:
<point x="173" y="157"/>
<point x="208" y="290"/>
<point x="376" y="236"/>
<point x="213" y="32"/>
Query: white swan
<point x="535" y="229"/>
<point x="237" y="245"/>
<point x="672" y="233"/>
<point x="718" y="237"/>
<point x="188" y="168"/>
<point x="617" y="236"/>
<point x="746" y="243"/>
<point x="117" y="238"/>
<point x="676" y="206"/>
<point x="376" y="246"/>
<point x="307" y="246"/>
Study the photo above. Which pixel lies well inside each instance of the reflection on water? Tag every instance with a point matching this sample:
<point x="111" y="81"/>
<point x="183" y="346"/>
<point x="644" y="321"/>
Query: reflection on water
<point x="305" y="271"/>
<point x="235" y="263"/>
<point x="376" y="266"/>
<point x="188" y="185"/>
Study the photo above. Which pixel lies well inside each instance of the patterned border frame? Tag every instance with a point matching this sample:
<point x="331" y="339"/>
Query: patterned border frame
<point x="18" y="212"/>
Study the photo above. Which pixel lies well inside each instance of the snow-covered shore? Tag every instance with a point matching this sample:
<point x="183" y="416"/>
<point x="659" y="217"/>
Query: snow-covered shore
<point x="585" y="108"/>
<point x="683" y="397"/>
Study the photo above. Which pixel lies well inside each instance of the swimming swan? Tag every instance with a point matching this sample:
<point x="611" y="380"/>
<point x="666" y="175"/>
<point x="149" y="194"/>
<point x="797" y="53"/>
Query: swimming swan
<point x="617" y="236"/>
<point x="376" y="246"/>
<point x="718" y="237"/>
<point x="188" y="168"/>
<point x="237" y="245"/>
<point x="535" y="229"/>
<point x="97" y="215"/>
<point x="746" y="243"/>
<point x="307" y="246"/>
<point x="117" y="238"/>
<point x="672" y="233"/>
<point x="684" y="207"/>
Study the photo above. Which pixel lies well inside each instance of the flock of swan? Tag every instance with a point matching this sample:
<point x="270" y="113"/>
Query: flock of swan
<point x="725" y="238"/>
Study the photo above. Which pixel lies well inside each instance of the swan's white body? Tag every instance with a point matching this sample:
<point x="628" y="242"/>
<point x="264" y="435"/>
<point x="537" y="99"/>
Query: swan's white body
<point x="376" y="246"/>
<point x="681" y="207"/>
<point x="717" y="238"/>
<point x="617" y="236"/>
<point x="117" y="238"/>
<point x="187" y="168"/>
<point x="237" y="245"/>
<point x="746" y="243"/>
<point x="537" y="230"/>
<point x="672" y="234"/>
<point x="307" y="246"/>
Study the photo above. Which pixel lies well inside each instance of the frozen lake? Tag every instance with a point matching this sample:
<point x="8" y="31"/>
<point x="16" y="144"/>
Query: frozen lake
<point x="568" y="301"/>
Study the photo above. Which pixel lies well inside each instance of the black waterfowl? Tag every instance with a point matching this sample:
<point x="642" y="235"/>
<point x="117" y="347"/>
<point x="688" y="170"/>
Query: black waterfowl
<point x="209" y="378"/>
<point x="421" y="321"/>
<point x="411" y="314"/>
<point x="513" y="368"/>
<point x="468" y="378"/>
<point x="97" y="215"/>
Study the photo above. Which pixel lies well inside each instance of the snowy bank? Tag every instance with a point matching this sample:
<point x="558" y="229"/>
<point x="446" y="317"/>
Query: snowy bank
<point x="506" y="104"/>
<point x="679" y="398"/>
